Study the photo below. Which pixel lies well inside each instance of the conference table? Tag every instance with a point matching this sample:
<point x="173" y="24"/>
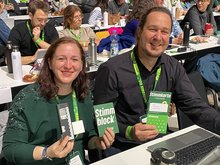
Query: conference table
<point x="140" y="154"/>
<point x="196" y="49"/>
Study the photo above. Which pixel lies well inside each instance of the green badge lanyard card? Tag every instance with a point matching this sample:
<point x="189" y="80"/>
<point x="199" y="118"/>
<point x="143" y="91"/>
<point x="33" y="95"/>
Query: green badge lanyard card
<point x="157" y="104"/>
<point x="73" y="157"/>
<point x="32" y="36"/>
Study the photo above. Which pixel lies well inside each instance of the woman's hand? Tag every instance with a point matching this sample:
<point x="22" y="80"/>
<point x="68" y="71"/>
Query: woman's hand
<point x="103" y="142"/>
<point x="61" y="148"/>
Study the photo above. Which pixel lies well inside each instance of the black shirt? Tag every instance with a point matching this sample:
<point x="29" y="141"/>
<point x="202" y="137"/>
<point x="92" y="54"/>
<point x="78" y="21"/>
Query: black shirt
<point x="20" y="36"/>
<point x="116" y="82"/>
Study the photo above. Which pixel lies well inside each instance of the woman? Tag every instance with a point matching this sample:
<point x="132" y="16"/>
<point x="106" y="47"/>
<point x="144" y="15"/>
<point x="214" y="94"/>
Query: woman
<point x="198" y="15"/>
<point x="96" y="14"/>
<point x="33" y="133"/>
<point x="72" y="26"/>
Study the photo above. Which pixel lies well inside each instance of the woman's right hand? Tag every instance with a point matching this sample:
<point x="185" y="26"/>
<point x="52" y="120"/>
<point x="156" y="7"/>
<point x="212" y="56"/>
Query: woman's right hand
<point x="61" y="148"/>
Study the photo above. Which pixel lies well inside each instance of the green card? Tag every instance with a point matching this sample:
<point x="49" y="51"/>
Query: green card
<point x="105" y="118"/>
<point x="158" y="106"/>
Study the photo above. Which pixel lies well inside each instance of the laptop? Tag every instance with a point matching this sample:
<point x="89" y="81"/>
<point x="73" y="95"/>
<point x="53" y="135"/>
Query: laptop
<point x="9" y="22"/>
<point x="190" y="147"/>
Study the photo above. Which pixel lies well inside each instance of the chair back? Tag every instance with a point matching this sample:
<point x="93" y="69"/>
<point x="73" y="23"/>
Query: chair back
<point x="197" y="80"/>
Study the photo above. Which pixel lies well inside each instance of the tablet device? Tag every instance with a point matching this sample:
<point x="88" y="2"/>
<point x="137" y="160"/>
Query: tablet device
<point x="41" y="53"/>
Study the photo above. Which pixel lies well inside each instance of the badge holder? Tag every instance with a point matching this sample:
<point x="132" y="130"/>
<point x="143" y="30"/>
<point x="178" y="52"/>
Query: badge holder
<point x="75" y="158"/>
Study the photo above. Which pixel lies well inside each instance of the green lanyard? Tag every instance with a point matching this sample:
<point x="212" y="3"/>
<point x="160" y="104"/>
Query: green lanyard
<point x="30" y="32"/>
<point x="76" y="37"/>
<point x="139" y="79"/>
<point x="75" y="107"/>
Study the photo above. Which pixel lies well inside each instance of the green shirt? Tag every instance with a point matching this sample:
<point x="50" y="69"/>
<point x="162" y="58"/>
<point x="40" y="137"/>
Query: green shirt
<point x="34" y="121"/>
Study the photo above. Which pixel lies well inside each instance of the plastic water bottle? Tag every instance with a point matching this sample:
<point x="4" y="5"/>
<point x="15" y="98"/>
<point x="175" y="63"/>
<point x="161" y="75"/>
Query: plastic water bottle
<point x="16" y="63"/>
<point x="92" y="50"/>
<point x="114" y="48"/>
<point x="105" y="18"/>
<point x="186" y="34"/>
<point x="7" y="54"/>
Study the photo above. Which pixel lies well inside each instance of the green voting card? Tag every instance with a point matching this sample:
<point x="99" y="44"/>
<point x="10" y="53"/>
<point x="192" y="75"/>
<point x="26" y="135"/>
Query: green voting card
<point x="158" y="106"/>
<point x="105" y="118"/>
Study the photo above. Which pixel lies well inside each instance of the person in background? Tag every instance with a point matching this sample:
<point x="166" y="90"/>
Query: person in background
<point x="72" y="26"/>
<point x="118" y="6"/>
<point x="59" y="5"/>
<point x="3" y="11"/>
<point x="35" y="33"/>
<point x="176" y="36"/>
<point x="139" y="7"/>
<point x="129" y="79"/>
<point x="33" y="133"/>
<point x="4" y="33"/>
<point x="12" y="7"/>
<point x="96" y="14"/>
<point x="198" y="15"/>
<point x="215" y="5"/>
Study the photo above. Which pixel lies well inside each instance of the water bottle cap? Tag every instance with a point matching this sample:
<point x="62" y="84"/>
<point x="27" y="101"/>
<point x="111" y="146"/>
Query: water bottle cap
<point x="168" y="157"/>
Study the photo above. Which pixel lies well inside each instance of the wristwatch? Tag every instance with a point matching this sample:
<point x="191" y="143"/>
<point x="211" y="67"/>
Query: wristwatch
<point x="44" y="154"/>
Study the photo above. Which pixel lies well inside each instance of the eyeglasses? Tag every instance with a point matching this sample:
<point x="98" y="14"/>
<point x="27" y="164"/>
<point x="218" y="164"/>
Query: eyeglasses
<point x="78" y="17"/>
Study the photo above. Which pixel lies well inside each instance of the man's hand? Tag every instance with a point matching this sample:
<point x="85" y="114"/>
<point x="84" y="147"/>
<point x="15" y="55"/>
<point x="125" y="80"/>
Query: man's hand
<point x="36" y="33"/>
<point x="142" y="132"/>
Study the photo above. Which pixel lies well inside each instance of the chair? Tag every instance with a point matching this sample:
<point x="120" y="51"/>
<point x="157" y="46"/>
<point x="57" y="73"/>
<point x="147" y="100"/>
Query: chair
<point x="102" y="34"/>
<point x="197" y="80"/>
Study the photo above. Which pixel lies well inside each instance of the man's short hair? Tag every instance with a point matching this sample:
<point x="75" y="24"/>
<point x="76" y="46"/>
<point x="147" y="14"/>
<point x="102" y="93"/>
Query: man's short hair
<point x="38" y="4"/>
<point x="155" y="9"/>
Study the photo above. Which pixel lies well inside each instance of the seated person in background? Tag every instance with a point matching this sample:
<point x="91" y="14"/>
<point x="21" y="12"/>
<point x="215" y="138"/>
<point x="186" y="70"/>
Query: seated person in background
<point x="129" y="79"/>
<point x="176" y="36"/>
<point x="12" y="7"/>
<point x="33" y="132"/>
<point x="140" y="7"/>
<point x="118" y="6"/>
<point x="96" y="14"/>
<point x="59" y="5"/>
<point x="198" y="15"/>
<point x="72" y="26"/>
<point x="4" y="33"/>
<point x="3" y="11"/>
<point x="215" y="5"/>
<point x="35" y="33"/>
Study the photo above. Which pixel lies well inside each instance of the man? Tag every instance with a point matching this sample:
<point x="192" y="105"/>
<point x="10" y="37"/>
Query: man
<point x="12" y="7"/>
<point x="117" y="81"/>
<point x="35" y="33"/>
<point x="118" y="6"/>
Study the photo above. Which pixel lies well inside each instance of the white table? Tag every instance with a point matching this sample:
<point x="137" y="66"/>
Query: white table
<point x="7" y="83"/>
<point x="139" y="154"/>
<point x="194" y="48"/>
<point x="26" y="17"/>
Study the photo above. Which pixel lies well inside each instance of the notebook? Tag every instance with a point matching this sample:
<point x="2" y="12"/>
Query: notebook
<point x="9" y="22"/>
<point x="190" y="147"/>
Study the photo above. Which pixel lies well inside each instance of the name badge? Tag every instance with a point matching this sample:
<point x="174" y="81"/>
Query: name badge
<point x="158" y="106"/>
<point x="78" y="127"/>
<point x="75" y="159"/>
